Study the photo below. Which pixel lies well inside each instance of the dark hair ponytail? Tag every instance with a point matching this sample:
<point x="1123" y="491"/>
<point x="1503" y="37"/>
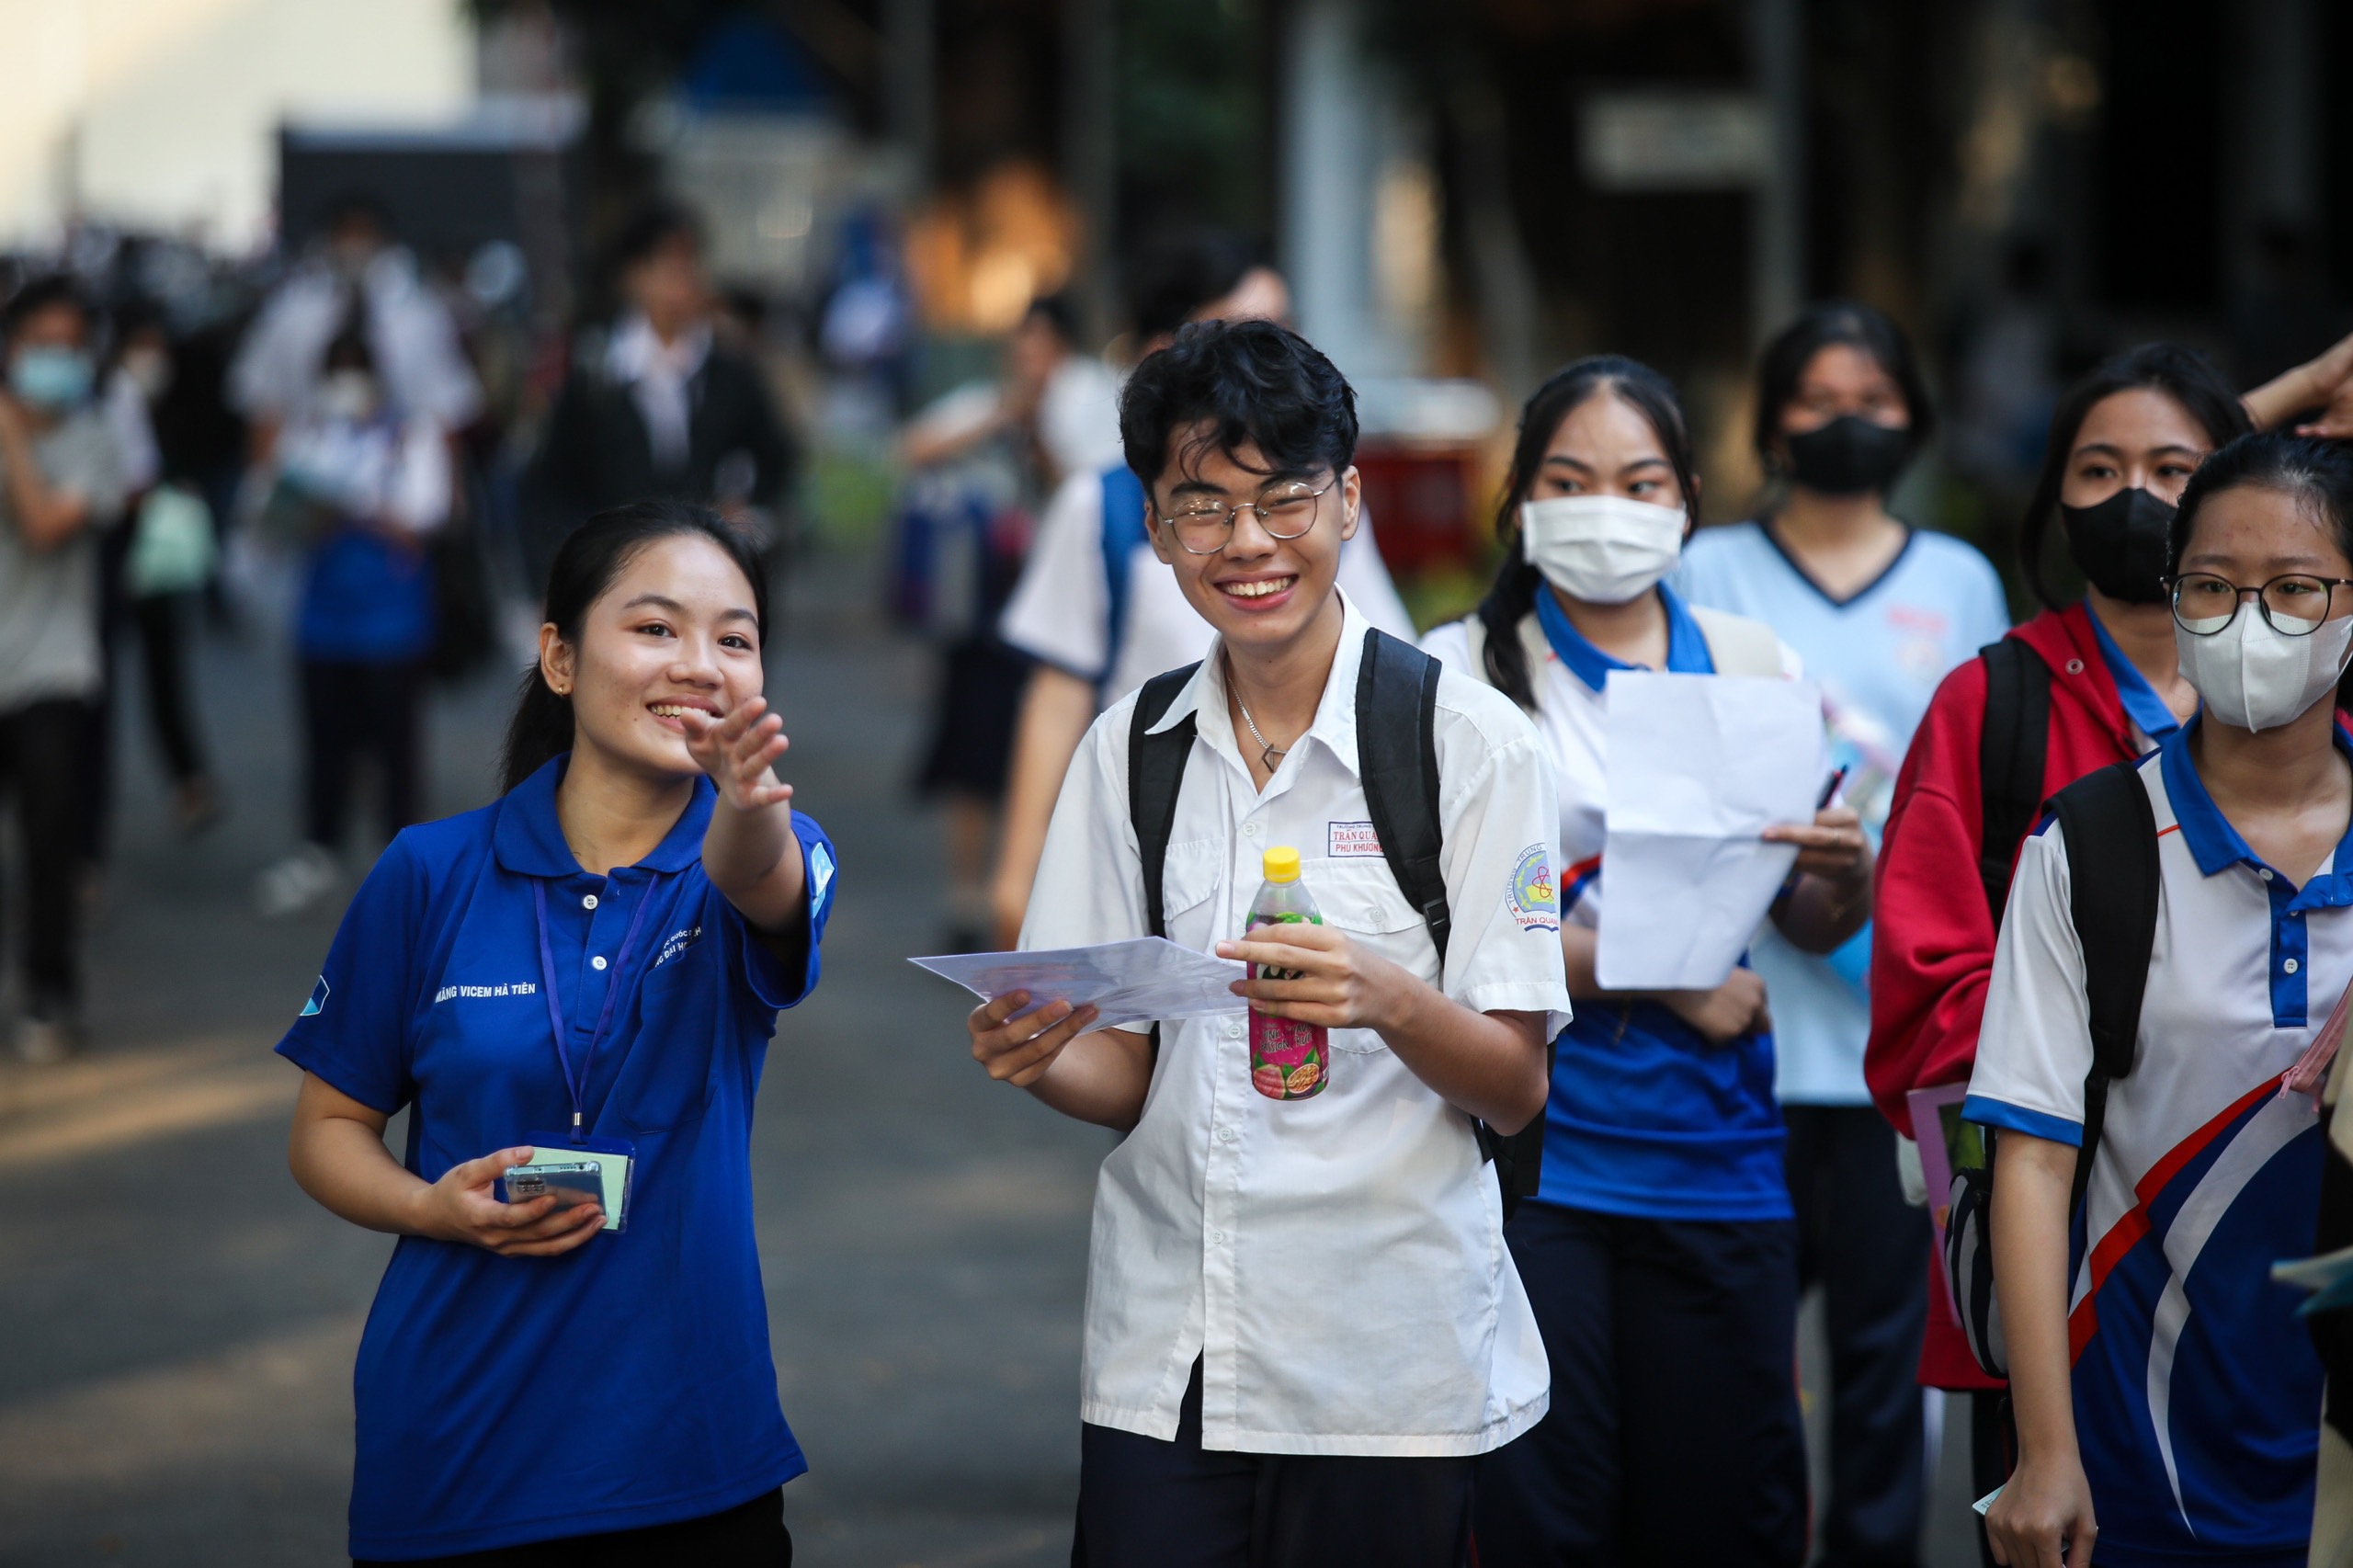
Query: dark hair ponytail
<point x="586" y="564"/>
<point x="2184" y="375"/>
<point x="1517" y="583"/>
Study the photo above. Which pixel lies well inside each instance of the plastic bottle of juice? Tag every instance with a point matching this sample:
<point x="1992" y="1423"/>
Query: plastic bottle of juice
<point x="1289" y="1059"/>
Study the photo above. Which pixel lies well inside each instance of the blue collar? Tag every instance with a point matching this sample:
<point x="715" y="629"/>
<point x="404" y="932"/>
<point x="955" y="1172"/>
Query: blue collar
<point x="528" y="840"/>
<point x="1686" y="648"/>
<point x="2214" y="843"/>
<point x="2142" y="704"/>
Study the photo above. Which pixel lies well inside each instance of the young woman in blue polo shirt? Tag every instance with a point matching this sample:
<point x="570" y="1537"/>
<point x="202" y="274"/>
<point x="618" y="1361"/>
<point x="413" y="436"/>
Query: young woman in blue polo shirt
<point x="2168" y="1400"/>
<point x="593" y="963"/>
<point x="1659" y="1252"/>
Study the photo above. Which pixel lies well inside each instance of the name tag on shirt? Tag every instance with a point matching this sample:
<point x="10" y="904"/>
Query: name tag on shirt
<point x="617" y="1158"/>
<point x="1349" y="840"/>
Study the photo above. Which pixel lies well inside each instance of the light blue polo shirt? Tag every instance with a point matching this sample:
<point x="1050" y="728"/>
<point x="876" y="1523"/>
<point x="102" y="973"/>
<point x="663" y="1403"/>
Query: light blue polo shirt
<point x="1879" y="654"/>
<point x="627" y="1383"/>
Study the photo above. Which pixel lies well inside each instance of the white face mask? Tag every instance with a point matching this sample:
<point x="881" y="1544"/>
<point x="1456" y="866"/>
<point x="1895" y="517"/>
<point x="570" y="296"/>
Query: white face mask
<point x="1604" y="550"/>
<point x="2253" y="678"/>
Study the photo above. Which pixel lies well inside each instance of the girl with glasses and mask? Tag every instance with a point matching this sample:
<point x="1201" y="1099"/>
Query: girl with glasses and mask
<point x="1659" y="1250"/>
<point x="2124" y="442"/>
<point x="2167" y="1398"/>
<point x="1880" y="612"/>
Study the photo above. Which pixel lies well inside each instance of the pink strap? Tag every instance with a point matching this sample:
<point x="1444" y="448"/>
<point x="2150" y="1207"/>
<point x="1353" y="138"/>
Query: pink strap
<point x="2311" y="1067"/>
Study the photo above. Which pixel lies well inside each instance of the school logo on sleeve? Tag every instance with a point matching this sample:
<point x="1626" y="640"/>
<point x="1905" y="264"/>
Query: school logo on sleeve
<point x="318" y="1002"/>
<point x="1347" y="839"/>
<point x="1532" y="900"/>
<point x="821" y="876"/>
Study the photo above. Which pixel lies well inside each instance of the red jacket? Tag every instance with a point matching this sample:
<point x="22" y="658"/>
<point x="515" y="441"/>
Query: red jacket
<point x="1932" y="935"/>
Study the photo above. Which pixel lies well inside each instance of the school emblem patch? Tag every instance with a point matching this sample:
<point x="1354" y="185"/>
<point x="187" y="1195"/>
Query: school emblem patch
<point x="1533" y="902"/>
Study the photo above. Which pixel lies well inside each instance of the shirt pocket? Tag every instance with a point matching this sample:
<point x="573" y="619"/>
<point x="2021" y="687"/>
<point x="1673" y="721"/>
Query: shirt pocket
<point x="1362" y="899"/>
<point x="1188" y="883"/>
<point x="668" y="1080"/>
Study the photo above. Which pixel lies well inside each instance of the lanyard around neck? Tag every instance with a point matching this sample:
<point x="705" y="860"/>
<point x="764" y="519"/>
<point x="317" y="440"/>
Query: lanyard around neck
<point x="577" y="1088"/>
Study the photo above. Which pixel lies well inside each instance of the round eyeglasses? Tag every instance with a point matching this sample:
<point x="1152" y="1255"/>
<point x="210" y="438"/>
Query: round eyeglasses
<point x="1286" y="512"/>
<point x="2293" y="605"/>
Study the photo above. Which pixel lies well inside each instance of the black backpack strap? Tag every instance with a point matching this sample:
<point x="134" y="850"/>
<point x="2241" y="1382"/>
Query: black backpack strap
<point x="1397" y="757"/>
<point x="2110" y="836"/>
<point x="1155" y="771"/>
<point x="2010" y="755"/>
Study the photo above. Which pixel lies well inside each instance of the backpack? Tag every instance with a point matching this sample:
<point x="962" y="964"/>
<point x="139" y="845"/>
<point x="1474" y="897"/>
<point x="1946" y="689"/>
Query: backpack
<point x="1397" y="758"/>
<point x="2110" y="839"/>
<point x="2011" y="751"/>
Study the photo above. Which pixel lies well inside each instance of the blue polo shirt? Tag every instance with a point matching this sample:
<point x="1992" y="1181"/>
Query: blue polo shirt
<point x="627" y="1383"/>
<point x="2143" y="706"/>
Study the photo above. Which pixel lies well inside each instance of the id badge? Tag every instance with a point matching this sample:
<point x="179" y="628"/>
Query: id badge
<point x="616" y="1156"/>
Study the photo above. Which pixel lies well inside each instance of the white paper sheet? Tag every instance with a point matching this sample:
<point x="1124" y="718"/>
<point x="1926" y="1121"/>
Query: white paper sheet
<point x="1698" y="765"/>
<point x="1138" y="981"/>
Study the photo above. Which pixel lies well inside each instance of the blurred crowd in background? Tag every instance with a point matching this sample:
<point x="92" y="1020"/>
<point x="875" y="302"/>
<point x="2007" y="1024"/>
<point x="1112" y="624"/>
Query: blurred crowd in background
<point x="865" y="274"/>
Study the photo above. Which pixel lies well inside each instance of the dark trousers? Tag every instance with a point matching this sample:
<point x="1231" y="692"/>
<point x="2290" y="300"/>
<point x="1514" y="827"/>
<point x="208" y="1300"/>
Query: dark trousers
<point x="1868" y="1251"/>
<point x="166" y="625"/>
<point x="41" y="769"/>
<point x="354" y="713"/>
<point x="751" y="1535"/>
<point x="1146" y="1504"/>
<point x="1673" y="1435"/>
<point x="1993" y="1453"/>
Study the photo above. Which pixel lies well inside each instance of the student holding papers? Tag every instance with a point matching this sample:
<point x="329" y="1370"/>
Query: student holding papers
<point x="1660" y="1251"/>
<point x="1301" y="1322"/>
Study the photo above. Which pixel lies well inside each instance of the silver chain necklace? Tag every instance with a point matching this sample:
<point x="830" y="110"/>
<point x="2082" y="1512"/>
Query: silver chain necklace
<point x="1267" y="750"/>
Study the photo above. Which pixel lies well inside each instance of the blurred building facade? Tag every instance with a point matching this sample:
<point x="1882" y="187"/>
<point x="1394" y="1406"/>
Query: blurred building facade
<point x="164" y="114"/>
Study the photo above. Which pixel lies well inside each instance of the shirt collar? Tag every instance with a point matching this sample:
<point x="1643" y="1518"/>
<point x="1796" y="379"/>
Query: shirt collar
<point x="528" y="840"/>
<point x="1686" y="647"/>
<point x="635" y="354"/>
<point x="1335" y="712"/>
<point x="2214" y="843"/>
<point x="2142" y="704"/>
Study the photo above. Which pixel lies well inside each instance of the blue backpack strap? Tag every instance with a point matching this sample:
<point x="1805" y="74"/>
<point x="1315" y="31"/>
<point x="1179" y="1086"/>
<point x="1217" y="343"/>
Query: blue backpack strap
<point x="1122" y="533"/>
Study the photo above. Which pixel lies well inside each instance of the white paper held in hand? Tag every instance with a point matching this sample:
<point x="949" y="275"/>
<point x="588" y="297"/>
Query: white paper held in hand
<point x="1697" y="767"/>
<point x="1134" y="981"/>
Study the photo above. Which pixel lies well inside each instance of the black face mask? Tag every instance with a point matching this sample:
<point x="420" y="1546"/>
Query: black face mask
<point x="1849" y="456"/>
<point x="2120" y="544"/>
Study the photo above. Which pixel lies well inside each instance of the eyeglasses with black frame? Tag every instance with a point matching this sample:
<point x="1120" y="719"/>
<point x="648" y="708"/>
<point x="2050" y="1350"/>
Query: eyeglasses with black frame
<point x="1286" y="512"/>
<point x="2294" y="604"/>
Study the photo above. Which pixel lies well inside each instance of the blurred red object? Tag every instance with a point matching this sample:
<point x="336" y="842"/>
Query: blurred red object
<point x="1419" y="498"/>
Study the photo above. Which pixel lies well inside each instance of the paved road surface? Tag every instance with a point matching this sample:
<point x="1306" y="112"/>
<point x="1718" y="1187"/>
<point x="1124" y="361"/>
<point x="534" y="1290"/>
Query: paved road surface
<point x="178" y="1320"/>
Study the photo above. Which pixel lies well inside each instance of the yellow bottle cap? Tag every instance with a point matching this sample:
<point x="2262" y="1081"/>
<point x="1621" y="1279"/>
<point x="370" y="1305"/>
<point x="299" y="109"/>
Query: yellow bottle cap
<point x="1282" y="865"/>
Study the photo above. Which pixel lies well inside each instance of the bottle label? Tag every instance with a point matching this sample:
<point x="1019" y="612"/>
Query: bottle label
<point x="1289" y="1059"/>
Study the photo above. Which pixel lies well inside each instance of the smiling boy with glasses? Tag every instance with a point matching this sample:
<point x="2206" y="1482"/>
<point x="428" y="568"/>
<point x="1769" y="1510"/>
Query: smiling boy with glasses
<point x="1301" y="1323"/>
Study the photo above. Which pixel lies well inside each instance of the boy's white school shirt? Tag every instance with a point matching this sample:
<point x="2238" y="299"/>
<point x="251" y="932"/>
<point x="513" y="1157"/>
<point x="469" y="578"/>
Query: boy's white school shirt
<point x="1336" y="1263"/>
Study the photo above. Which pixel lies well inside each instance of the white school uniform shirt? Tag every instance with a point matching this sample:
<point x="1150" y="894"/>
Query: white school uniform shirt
<point x="1061" y="608"/>
<point x="2205" y="1176"/>
<point x="1336" y="1263"/>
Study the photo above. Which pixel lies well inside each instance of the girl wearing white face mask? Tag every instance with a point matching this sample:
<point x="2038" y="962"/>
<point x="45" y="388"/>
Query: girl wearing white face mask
<point x="2167" y="1398"/>
<point x="1659" y="1251"/>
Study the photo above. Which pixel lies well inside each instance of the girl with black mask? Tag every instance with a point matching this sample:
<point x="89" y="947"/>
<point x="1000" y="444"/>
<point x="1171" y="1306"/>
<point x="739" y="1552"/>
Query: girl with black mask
<point x="1878" y="612"/>
<point x="2123" y="443"/>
